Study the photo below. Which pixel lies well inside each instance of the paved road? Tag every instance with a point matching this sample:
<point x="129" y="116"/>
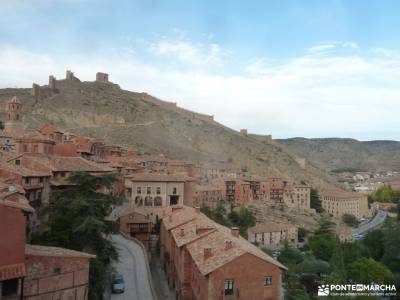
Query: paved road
<point x="375" y="222"/>
<point x="132" y="265"/>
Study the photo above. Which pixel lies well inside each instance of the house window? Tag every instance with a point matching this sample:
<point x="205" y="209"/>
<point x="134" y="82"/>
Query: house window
<point x="26" y="180"/>
<point x="148" y="190"/>
<point x="138" y="190"/>
<point x="35" y="148"/>
<point x="142" y="227"/>
<point x="148" y="201"/>
<point x="9" y="287"/>
<point x="158" y="190"/>
<point x="267" y="280"/>
<point x="25" y="148"/>
<point x="157" y="201"/>
<point x="17" y="162"/>
<point x="174" y="191"/>
<point x="62" y="174"/>
<point x="40" y="179"/>
<point x="228" y="286"/>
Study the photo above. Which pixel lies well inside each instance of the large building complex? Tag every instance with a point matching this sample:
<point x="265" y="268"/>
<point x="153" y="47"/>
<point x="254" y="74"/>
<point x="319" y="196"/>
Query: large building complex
<point x="338" y="203"/>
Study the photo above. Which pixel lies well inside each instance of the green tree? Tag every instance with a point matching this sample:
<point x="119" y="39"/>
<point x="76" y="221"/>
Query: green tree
<point x="391" y="256"/>
<point x="374" y="241"/>
<point x="290" y="256"/>
<point x="302" y="234"/>
<point x="322" y="246"/>
<point x="315" y="201"/>
<point x="350" y="220"/>
<point x="367" y="270"/>
<point x="77" y="220"/>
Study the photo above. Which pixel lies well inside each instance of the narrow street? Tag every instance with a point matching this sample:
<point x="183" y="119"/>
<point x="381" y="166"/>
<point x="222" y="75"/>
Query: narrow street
<point x="132" y="265"/>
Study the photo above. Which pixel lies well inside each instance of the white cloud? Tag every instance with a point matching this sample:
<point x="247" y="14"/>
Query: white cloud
<point x="312" y="95"/>
<point x="189" y="53"/>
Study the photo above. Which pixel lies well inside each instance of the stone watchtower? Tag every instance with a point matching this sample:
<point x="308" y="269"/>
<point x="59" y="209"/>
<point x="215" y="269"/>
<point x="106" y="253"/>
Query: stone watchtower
<point x="102" y="77"/>
<point x="13" y="120"/>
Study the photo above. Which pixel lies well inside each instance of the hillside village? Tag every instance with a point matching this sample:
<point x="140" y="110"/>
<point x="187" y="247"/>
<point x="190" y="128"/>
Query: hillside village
<point x="164" y="195"/>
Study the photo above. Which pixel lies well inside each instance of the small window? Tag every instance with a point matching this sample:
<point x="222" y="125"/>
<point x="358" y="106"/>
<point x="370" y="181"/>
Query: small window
<point x="148" y="190"/>
<point x="17" y="162"/>
<point x="228" y="286"/>
<point x="138" y="190"/>
<point x="9" y="287"/>
<point x="158" y="190"/>
<point x="174" y="191"/>
<point x="267" y="280"/>
<point x="26" y="180"/>
<point x="40" y="179"/>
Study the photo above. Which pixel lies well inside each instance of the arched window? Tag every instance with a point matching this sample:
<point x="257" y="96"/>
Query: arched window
<point x="157" y="201"/>
<point x="148" y="201"/>
<point x="139" y="201"/>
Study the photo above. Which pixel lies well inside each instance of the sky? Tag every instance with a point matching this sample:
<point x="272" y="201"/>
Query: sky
<point x="290" y="68"/>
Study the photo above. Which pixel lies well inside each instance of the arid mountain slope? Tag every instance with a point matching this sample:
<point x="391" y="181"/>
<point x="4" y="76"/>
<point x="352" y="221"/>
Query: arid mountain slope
<point x="121" y="117"/>
<point x="335" y="153"/>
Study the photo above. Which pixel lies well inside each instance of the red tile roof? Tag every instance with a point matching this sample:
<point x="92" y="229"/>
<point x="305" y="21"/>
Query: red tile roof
<point x="37" y="250"/>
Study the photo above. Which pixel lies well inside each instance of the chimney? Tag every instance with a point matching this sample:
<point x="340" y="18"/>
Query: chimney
<point x="207" y="253"/>
<point x="197" y="209"/>
<point x="175" y="208"/>
<point x="235" y="231"/>
<point x="182" y="232"/>
<point x="228" y="245"/>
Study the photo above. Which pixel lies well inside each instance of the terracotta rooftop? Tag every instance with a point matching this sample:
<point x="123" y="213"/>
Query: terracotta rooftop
<point x="138" y="217"/>
<point x="192" y="230"/>
<point x="20" y="170"/>
<point x="12" y="195"/>
<point x="186" y="218"/>
<point x="270" y="227"/>
<point x="341" y="194"/>
<point x="68" y="164"/>
<point x="34" y="136"/>
<point x="151" y="177"/>
<point x="37" y="250"/>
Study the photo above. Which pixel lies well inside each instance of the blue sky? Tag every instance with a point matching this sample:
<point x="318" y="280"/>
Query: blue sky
<point x="287" y="68"/>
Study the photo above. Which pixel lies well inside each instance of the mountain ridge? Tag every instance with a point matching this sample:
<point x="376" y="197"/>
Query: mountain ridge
<point x="139" y="120"/>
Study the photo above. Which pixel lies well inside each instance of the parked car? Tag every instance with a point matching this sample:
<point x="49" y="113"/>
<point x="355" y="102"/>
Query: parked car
<point x="118" y="284"/>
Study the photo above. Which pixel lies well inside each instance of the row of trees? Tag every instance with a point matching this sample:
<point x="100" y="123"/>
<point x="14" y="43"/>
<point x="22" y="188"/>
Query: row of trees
<point x="375" y="259"/>
<point x="77" y="219"/>
<point x="385" y="194"/>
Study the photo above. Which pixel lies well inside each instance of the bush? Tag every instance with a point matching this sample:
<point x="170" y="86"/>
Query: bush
<point x="350" y="220"/>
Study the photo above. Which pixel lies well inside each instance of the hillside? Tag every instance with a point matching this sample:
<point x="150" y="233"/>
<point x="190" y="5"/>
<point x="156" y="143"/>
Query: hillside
<point x="335" y="153"/>
<point x="104" y="111"/>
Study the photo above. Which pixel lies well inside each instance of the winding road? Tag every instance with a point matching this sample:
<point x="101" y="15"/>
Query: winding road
<point x="374" y="223"/>
<point x="133" y="265"/>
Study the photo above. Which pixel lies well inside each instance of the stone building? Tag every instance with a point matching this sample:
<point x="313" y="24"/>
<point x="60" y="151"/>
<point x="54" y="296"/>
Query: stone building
<point x="36" y="184"/>
<point x="13" y="111"/>
<point x="102" y="77"/>
<point x="297" y="196"/>
<point x="204" y="260"/>
<point x="154" y="190"/>
<point x="35" y="272"/>
<point x="13" y="224"/>
<point x="34" y="142"/>
<point x="272" y="235"/>
<point x="56" y="273"/>
<point x="338" y="203"/>
<point x="272" y="189"/>
<point x="209" y="196"/>
<point x="137" y="224"/>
